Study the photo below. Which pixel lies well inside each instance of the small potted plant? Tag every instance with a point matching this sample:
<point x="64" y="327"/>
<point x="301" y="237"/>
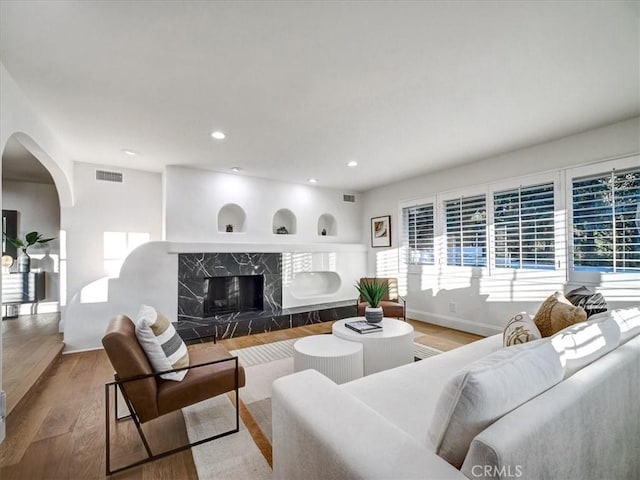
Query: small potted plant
<point x="30" y="239"/>
<point x="373" y="292"/>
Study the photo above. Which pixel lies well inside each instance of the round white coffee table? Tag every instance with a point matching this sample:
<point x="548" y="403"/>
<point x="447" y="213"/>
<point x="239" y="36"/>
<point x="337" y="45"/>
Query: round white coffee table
<point x="391" y="347"/>
<point x="337" y="359"/>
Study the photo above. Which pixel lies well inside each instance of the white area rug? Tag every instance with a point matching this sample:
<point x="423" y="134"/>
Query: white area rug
<point x="235" y="457"/>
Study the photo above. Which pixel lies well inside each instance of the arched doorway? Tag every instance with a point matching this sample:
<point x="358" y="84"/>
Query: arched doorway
<point x="31" y="300"/>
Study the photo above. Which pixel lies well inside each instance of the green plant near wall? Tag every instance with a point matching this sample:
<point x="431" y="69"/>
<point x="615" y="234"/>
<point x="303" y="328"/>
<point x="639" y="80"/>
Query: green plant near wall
<point x="30" y="239"/>
<point x="372" y="291"/>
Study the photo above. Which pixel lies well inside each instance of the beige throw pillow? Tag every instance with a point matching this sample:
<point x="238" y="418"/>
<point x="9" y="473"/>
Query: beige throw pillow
<point x="557" y="313"/>
<point x="520" y="329"/>
<point x="162" y="344"/>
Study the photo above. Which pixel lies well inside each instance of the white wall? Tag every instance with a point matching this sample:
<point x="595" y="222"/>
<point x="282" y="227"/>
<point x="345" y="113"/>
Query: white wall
<point x="134" y="206"/>
<point x="39" y="210"/>
<point x="194" y="198"/>
<point x="484" y="305"/>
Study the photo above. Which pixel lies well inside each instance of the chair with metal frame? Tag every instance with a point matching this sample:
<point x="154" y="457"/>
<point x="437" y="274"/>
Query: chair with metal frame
<point x="212" y="371"/>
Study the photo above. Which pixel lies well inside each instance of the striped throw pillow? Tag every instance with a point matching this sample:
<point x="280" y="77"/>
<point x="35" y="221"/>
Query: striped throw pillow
<point x="592" y="302"/>
<point x="162" y="344"/>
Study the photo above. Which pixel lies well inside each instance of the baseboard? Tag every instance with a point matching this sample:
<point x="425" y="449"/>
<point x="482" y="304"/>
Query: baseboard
<point x="478" y="328"/>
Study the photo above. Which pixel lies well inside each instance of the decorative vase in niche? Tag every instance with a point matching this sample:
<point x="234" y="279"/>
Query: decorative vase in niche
<point x="373" y="315"/>
<point x="230" y="228"/>
<point x="323" y="232"/>
<point x="24" y="262"/>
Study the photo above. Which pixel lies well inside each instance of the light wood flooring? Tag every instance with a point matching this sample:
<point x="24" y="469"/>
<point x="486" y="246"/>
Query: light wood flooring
<point x="57" y="432"/>
<point x="30" y="346"/>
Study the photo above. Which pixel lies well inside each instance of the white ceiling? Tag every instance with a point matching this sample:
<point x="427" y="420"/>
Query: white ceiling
<point x="301" y="88"/>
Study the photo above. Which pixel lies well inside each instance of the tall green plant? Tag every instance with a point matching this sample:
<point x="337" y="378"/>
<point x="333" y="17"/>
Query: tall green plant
<point x="372" y="291"/>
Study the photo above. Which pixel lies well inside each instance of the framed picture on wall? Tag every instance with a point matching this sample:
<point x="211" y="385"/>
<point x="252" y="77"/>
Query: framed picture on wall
<point x="381" y="231"/>
<point x="9" y="229"/>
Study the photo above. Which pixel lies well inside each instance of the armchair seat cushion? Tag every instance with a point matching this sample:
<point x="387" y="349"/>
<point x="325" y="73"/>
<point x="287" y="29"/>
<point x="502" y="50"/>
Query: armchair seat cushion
<point x="200" y="383"/>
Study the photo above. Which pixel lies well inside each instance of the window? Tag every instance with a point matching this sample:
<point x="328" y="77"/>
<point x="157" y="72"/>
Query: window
<point x="117" y="245"/>
<point x="466" y="230"/>
<point x="524" y="233"/>
<point x="418" y="234"/>
<point x="606" y="222"/>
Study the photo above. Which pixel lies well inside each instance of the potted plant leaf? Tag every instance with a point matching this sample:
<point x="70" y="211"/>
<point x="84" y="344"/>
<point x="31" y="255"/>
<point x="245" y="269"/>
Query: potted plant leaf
<point x="372" y="292"/>
<point x="30" y="239"/>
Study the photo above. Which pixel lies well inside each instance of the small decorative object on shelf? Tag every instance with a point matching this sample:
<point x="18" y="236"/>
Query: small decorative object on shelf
<point x="372" y="292"/>
<point x="362" y="326"/>
<point x="30" y="239"/>
<point x="323" y="232"/>
<point x="229" y="228"/>
<point x="282" y="230"/>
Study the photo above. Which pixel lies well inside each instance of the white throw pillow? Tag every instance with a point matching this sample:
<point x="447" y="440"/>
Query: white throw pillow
<point x="490" y="388"/>
<point x="520" y="329"/>
<point x="162" y="344"/>
<point x="585" y="342"/>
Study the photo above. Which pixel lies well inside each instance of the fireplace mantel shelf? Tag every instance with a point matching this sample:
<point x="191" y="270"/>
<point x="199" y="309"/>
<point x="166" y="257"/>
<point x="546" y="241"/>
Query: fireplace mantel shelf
<point x="203" y="247"/>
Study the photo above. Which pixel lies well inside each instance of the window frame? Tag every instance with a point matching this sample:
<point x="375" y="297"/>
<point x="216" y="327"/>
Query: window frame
<point x="559" y="242"/>
<point x="443" y="198"/>
<point x="403" y="243"/>
<point x="596" y="169"/>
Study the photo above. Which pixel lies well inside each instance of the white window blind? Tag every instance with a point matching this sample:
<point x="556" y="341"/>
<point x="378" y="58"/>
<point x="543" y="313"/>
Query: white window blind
<point x="418" y="234"/>
<point x="466" y="229"/>
<point x="606" y="222"/>
<point x="524" y="232"/>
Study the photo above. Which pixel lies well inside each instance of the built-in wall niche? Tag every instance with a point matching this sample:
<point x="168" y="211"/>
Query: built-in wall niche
<point x="284" y="222"/>
<point x="231" y="218"/>
<point x="327" y="225"/>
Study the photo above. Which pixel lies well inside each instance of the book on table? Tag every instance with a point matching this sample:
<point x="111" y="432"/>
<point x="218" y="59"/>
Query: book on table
<point x="362" y="326"/>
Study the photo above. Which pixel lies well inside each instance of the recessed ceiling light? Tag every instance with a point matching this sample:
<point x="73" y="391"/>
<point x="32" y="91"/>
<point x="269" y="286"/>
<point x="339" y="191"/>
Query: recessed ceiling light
<point x="313" y="180"/>
<point x="352" y="163"/>
<point x="126" y="151"/>
<point x="218" y="135"/>
<point x="236" y="169"/>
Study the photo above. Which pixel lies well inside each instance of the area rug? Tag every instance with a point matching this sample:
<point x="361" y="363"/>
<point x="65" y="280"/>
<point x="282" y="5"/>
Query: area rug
<point x="228" y="458"/>
<point x="237" y="456"/>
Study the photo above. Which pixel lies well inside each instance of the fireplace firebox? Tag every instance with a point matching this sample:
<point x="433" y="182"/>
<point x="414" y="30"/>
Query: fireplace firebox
<point x="236" y="293"/>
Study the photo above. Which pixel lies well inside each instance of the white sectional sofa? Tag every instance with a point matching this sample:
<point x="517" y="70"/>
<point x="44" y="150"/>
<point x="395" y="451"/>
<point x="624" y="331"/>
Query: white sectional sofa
<point x="565" y="407"/>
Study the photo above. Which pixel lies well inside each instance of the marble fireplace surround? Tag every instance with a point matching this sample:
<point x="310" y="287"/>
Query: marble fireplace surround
<point x="194" y="268"/>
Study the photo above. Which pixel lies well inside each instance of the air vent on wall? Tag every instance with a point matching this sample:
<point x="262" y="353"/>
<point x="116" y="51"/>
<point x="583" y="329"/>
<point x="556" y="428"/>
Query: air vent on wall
<point x="107" y="176"/>
<point x="349" y="198"/>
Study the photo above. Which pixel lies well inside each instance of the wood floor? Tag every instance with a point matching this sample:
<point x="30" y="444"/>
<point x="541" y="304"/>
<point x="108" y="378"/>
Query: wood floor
<point x="30" y="345"/>
<point x="58" y="431"/>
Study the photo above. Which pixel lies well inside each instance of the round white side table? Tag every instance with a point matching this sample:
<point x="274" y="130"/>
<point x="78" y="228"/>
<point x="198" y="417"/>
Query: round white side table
<point x="337" y="359"/>
<point x="389" y="348"/>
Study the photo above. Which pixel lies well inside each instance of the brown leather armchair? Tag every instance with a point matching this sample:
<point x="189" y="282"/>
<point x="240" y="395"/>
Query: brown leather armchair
<point x="212" y="371"/>
<point x="393" y="305"/>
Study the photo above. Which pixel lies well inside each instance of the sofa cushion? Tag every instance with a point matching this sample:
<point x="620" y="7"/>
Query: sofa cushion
<point x="628" y="319"/>
<point x="592" y="302"/>
<point x="488" y="389"/>
<point x="520" y="329"/>
<point x="585" y="342"/>
<point x="161" y="343"/>
<point x="423" y="380"/>
<point x="557" y="313"/>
